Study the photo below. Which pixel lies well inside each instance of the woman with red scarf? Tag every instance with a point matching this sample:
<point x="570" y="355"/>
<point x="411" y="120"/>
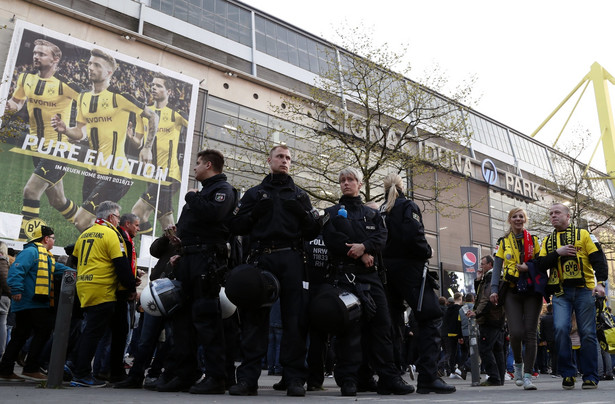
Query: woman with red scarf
<point x="519" y="292"/>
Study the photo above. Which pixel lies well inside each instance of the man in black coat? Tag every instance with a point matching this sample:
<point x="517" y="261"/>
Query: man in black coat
<point x="278" y="216"/>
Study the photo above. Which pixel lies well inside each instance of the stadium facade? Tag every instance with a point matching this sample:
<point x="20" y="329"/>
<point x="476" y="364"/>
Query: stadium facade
<point x="232" y="63"/>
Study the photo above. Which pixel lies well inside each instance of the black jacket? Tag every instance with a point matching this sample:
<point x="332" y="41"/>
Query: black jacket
<point x="278" y="223"/>
<point x="363" y="225"/>
<point x="205" y="216"/>
<point x="406" y="232"/>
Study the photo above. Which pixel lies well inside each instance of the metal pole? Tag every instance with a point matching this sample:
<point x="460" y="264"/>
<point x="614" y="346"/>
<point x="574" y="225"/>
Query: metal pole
<point x="62" y="329"/>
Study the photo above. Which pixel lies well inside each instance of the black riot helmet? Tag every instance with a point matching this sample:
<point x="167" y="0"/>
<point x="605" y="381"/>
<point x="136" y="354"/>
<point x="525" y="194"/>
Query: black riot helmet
<point x="334" y="309"/>
<point x="248" y="286"/>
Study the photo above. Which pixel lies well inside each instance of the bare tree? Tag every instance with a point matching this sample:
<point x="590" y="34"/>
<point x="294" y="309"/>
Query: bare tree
<point x="364" y="112"/>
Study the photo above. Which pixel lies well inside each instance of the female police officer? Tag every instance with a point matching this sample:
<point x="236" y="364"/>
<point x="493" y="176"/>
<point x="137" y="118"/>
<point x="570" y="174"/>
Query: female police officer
<point x="353" y="242"/>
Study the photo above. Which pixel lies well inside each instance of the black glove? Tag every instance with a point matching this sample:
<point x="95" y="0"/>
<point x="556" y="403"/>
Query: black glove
<point x="294" y="207"/>
<point x="367" y="303"/>
<point x="261" y="208"/>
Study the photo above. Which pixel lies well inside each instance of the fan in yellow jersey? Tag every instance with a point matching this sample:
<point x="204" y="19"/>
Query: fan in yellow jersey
<point x="102" y="266"/>
<point x="103" y="117"/>
<point x="170" y="126"/>
<point x="45" y="94"/>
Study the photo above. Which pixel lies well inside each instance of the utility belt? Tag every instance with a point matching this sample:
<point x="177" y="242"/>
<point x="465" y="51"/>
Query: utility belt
<point x="352" y="268"/>
<point x="270" y="247"/>
<point x="220" y="248"/>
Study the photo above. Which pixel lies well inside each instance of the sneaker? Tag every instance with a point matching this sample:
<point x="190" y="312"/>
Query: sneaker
<point x="507" y="376"/>
<point x="589" y="385"/>
<point x="607" y="377"/>
<point x="88" y="381"/>
<point x="518" y="374"/>
<point x="34" y="376"/>
<point x="535" y="375"/>
<point x="454" y="376"/>
<point x="568" y="383"/>
<point x="11" y="378"/>
<point x="527" y="384"/>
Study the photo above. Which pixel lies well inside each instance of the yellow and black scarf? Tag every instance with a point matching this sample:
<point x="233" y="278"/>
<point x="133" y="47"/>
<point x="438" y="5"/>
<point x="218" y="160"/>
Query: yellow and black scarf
<point x="569" y="271"/>
<point x="43" y="290"/>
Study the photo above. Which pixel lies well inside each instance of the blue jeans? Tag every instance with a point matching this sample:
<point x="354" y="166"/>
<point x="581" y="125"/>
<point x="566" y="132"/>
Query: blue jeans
<point x="583" y="303"/>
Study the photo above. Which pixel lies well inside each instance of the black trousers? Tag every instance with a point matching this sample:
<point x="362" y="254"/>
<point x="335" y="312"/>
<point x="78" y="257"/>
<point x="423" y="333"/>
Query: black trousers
<point x="288" y="267"/>
<point x="378" y="332"/>
<point x="491" y="349"/>
<point x="35" y="322"/>
<point x="404" y="283"/>
<point x="199" y="320"/>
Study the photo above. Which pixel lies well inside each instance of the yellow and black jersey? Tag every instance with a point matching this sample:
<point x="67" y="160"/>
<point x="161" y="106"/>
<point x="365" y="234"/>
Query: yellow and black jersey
<point x="106" y="117"/>
<point x="572" y="269"/>
<point x="164" y="148"/>
<point x="44" y="99"/>
<point x="95" y="249"/>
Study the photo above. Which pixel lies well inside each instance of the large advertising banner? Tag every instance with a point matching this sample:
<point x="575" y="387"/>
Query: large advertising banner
<point x="82" y="124"/>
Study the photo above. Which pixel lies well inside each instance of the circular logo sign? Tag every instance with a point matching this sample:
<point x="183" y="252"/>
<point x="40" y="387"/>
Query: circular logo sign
<point x="490" y="173"/>
<point x="469" y="259"/>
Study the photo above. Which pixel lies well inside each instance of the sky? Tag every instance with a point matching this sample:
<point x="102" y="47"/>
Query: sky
<point x="526" y="56"/>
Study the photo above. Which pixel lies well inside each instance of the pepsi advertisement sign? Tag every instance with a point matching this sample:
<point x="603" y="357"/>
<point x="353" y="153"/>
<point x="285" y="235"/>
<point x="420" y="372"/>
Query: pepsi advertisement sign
<point x="469" y="261"/>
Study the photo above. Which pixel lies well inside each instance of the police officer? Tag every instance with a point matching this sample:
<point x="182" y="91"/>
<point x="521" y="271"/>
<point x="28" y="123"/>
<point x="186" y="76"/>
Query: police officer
<point x="203" y="231"/>
<point x="354" y="242"/>
<point x="405" y="255"/>
<point x="278" y="216"/>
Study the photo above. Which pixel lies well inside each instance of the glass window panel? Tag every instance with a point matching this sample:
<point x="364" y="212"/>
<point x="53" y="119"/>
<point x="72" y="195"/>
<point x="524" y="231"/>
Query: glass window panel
<point x="198" y="3"/>
<point x="245" y="18"/>
<point x="209" y="5"/>
<point x="220" y="27"/>
<point x="232" y="31"/>
<point x="221" y="8"/>
<point x="208" y="21"/>
<point x="271" y="46"/>
<point x="233" y="13"/>
<point x="166" y="6"/>
<point x="224" y="106"/>
<point x="261" y="42"/>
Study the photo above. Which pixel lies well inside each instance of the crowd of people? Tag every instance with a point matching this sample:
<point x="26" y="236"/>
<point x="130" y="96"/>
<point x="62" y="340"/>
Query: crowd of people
<point x="346" y="292"/>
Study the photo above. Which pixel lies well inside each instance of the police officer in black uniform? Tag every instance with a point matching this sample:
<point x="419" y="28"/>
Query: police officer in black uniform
<point x="278" y="216"/>
<point x="354" y="242"/>
<point x="405" y="256"/>
<point x="202" y="230"/>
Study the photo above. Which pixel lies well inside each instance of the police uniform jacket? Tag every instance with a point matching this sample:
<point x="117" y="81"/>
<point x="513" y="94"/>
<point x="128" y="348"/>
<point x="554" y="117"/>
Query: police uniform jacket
<point x="363" y="225"/>
<point x="278" y="225"/>
<point x="204" y="216"/>
<point x="406" y="232"/>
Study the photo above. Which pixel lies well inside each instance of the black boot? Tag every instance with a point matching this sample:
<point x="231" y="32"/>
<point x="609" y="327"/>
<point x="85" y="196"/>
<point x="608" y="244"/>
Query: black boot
<point x="129" y="383"/>
<point x="295" y="389"/>
<point x="242" y="389"/>
<point x="395" y="386"/>
<point x="437" y="386"/>
<point x="209" y="385"/>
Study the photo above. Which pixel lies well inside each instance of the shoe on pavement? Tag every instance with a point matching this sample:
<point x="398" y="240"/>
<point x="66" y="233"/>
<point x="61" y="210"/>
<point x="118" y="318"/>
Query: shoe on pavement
<point x="397" y="386"/>
<point x="367" y="385"/>
<point x="129" y="383"/>
<point x="11" y="378"/>
<point x="242" y="389"/>
<point x="527" y="384"/>
<point x="314" y="387"/>
<point x="438" y="386"/>
<point x="174" y="385"/>
<point x="88" y="381"/>
<point x="518" y="375"/>
<point x="489" y="382"/>
<point x="34" y="376"/>
<point x="209" y="385"/>
<point x="349" y="388"/>
<point x="589" y="385"/>
<point x="280" y="386"/>
<point x="295" y="389"/>
<point x="568" y="383"/>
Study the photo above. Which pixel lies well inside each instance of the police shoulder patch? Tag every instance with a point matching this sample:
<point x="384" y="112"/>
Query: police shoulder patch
<point x="220" y="197"/>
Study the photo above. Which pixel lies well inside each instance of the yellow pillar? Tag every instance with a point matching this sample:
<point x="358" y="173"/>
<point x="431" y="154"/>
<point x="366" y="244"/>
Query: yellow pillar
<point x="600" y="77"/>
